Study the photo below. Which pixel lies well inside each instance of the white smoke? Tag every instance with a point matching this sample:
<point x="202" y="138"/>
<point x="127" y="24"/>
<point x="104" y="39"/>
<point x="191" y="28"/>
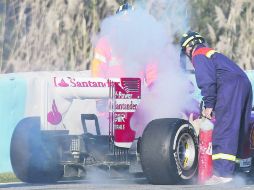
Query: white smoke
<point x="172" y="13"/>
<point x="145" y="36"/>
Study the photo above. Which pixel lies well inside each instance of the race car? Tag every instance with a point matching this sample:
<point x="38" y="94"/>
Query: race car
<point x="61" y="132"/>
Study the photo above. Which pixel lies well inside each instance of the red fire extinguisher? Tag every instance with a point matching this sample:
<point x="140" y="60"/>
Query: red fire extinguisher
<point x="205" y="165"/>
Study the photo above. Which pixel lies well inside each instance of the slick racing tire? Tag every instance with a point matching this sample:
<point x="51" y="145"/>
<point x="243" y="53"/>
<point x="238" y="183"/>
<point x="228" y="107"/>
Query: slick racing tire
<point x="33" y="159"/>
<point x="169" y="151"/>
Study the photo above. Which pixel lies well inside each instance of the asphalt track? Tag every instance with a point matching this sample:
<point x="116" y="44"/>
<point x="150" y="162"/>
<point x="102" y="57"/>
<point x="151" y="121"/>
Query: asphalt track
<point x="123" y="184"/>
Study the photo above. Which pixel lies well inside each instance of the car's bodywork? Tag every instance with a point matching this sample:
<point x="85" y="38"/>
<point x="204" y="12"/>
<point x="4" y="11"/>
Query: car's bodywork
<point x="64" y="108"/>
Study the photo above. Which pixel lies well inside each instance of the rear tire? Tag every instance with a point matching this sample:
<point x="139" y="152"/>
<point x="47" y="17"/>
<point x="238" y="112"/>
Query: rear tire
<point x="34" y="159"/>
<point x="169" y="151"/>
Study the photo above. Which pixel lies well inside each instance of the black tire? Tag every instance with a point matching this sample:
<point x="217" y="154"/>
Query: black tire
<point x="161" y="158"/>
<point x="34" y="159"/>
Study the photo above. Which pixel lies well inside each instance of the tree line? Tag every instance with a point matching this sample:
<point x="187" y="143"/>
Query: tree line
<point x="59" y="34"/>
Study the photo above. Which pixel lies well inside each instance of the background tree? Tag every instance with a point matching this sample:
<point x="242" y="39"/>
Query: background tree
<point x="229" y="27"/>
<point x="59" y="34"/>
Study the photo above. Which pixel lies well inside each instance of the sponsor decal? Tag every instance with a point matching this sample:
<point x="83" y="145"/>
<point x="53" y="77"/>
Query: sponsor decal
<point x="209" y="149"/>
<point x="54" y="116"/>
<point x="119" y="127"/>
<point x="81" y="82"/>
<point x="126" y="106"/>
<point x="63" y="83"/>
<point x="179" y="170"/>
<point x="120" y="117"/>
<point x="245" y="162"/>
<point x="120" y="95"/>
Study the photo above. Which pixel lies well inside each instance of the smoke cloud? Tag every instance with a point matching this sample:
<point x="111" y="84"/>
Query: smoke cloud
<point x="143" y="40"/>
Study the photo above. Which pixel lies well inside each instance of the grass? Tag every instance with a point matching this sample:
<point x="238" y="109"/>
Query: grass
<point x="8" y="177"/>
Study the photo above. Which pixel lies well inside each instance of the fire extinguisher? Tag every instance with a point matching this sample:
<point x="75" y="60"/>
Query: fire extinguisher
<point x="205" y="165"/>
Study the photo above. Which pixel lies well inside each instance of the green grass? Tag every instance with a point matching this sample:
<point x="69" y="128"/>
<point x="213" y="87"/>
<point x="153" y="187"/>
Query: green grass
<point x="8" y="177"/>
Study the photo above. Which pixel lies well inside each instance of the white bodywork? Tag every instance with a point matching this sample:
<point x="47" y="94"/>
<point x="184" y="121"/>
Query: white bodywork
<point x="41" y="88"/>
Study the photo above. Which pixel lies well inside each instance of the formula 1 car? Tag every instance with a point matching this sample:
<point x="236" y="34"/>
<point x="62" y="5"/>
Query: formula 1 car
<point x="60" y="132"/>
